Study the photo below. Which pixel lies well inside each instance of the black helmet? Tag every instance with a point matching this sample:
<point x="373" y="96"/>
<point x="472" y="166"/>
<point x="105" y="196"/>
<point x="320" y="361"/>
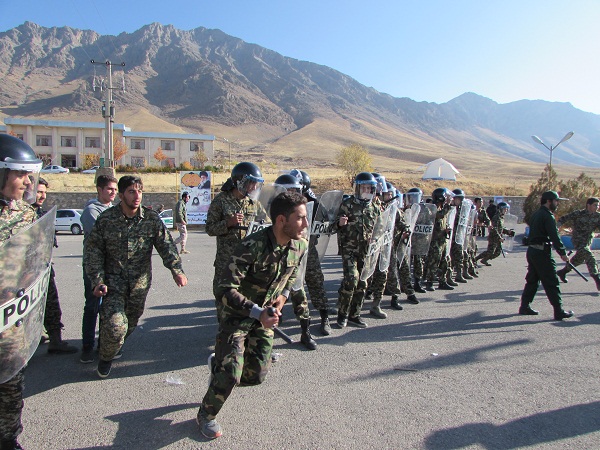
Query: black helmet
<point x="290" y="182"/>
<point x="245" y="173"/>
<point x="458" y="193"/>
<point x="503" y="205"/>
<point x="439" y="195"/>
<point x="17" y="155"/>
<point x="365" y="179"/>
<point x="303" y="177"/>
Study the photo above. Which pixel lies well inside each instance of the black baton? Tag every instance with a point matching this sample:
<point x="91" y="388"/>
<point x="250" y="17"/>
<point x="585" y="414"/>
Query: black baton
<point x="272" y="311"/>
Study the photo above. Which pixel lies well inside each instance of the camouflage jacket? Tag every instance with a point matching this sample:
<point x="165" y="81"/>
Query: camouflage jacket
<point x="121" y="247"/>
<point x="180" y="212"/>
<point x="583" y="224"/>
<point x="258" y="271"/>
<point x="440" y="224"/>
<point x="482" y="217"/>
<point x="498" y="227"/>
<point x="14" y="216"/>
<point x="355" y="237"/>
<point x="225" y="205"/>
<point x="400" y="227"/>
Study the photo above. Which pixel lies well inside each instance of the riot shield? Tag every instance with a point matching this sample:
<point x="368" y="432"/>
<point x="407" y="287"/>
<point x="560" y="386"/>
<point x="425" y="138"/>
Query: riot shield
<point x="388" y="237"/>
<point x="375" y="244"/>
<point x="462" y="225"/>
<point x="321" y="230"/>
<point x="510" y="223"/>
<point x="450" y="218"/>
<point x="25" y="260"/>
<point x="267" y="194"/>
<point x="306" y="235"/>
<point x="404" y="246"/>
<point x="471" y="241"/>
<point x="421" y="237"/>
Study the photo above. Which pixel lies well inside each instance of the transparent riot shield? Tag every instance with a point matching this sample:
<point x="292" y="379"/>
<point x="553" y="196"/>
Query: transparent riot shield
<point x="306" y="235"/>
<point x="450" y="218"/>
<point x="421" y="237"/>
<point x="461" y="232"/>
<point x="471" y="241"/>
<point x="375" y="244"/>
<point x="262" y="219"/>
<point x="25" y="271"/>
<point x="404" y="246"/>
<point x="510" y="223"/>
<point x="322" y="225"/>
<point x="388" y="237"/>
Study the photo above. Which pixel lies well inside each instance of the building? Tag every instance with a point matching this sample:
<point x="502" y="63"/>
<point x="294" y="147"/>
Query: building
<point x="68" y="143"/>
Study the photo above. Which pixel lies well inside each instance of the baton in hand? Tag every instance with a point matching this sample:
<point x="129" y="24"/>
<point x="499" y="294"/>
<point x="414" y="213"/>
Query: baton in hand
<point x="577" y="271"/>
<point x="272" y="311"/>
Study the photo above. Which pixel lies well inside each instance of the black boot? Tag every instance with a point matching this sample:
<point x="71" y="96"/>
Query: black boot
<point x="418" y="287"/>
<point x="325" y="327"/>
<point x="429" y="286"/>
<point x="562" y="274"/>
<point x="465" y="274"/>
<point x="445" y="286"/>
<point x="57" y="345"/>
<point x="560" y="314"/>
<point x="459" y="278"/>
<point x="596" y="278"/>
<point x="451" y="282"/>
<point x="526" y="310"/>
<point x="305" y="338"/>
<point x="10" y="444"/>
<point x="396" y="303"/>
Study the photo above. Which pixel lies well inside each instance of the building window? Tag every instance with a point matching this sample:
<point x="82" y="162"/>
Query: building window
<point x="196" y="146"/>
<point x="92" y="142"/>
<point x="167" y="145"/>
<point x="138" y="144"/>
<point x="138" y="162"/>
<point x="68" y="161"/>
<point x="170" y="162"/>
<point x="43" y="140"/>
<point x="20" y="136"/>
<point x="68" y="141"/>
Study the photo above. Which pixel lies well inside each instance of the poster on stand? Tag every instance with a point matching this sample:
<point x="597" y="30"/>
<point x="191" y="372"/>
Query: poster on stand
<point x="197" y="184"/>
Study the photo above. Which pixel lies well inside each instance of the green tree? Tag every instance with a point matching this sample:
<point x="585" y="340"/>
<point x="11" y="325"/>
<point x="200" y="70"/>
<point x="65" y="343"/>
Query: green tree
<point x="577" y="191"/>
<point x="547" y="181"/>
<point x="354" y="159"/>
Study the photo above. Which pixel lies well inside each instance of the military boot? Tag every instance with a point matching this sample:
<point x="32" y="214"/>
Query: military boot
<point x="396" y="303"/>
<point x="10" y="444"/>
<point x="418" y="288"/>
<point x="473" y="272"/>
<point x="465" y="274"/>
<point x="562" y="274"/>
<point x="376" y="310"/>
<point x="57" y="345"/>
<point x="596" y="278"/>
<point x="305" y="338"/>
<point x="325" y="327"/>
<point x="445" y="286"/>
<point x="459" y="278"/>
<point x="451" y="282"/>
<point x="429" y="286"/>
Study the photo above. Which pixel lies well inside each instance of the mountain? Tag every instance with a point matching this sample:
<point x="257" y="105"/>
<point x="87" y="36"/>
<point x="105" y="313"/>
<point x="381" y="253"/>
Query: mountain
<point x="270" y="106"/>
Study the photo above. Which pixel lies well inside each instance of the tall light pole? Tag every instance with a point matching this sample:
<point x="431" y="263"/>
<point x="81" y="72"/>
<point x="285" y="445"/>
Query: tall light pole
<point x="537" y="140"/>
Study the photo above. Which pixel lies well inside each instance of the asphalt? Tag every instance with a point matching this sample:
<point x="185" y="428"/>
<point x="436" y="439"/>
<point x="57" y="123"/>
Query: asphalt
<point x="459" y="370"/>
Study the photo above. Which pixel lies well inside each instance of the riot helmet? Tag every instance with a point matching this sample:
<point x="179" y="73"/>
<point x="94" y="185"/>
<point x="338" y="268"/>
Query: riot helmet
<point x="381" y="183"/>
<point x="458" y="193"/>
<point x="365" y="186"/>
<point x="303" y="177"/>
<point x="439" y="195"/>
<point x="449" y="195"/>
<point x="413" y="196"/>
<point x="16" y="155"/>
<point x="290" y="182"/>
<point x="246" y="177"/>
<point x="390" y="193"/>
<point x="503" y="207"/>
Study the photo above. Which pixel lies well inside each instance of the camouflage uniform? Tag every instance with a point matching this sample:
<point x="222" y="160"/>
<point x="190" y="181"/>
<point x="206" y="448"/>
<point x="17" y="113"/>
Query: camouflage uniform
<point x="457" y="251"/>
<point x="495" y="239"/>
<point x="353" y="243"/>
<point x="258" y="271"/>
<point x="584" y="225"/>
<point x="225" y="205"/>
<point x="314" y="278"/>
<point x="399" y="276"/>
<point x="118" y="253"/>
<point x="437" y="250"/>
<point x="18" y="214"/>
<point x="483" y="221"/>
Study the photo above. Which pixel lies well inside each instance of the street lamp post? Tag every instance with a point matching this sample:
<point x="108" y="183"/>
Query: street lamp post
<point x="537" y="140"/>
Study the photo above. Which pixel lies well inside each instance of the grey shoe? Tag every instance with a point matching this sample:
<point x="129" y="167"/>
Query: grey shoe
<point x="209" y="428"/>
<point x="325" y="328"/>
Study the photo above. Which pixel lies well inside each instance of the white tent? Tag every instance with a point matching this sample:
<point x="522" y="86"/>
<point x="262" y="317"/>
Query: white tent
<point x="439" y="169"/>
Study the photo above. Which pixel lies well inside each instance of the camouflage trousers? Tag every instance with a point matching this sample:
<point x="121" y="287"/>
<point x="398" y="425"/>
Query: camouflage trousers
<point x="11" y="405"/>
<point x="417" y="263"/>
<point x="299" y="305"/>
<point x="315" y="280"/>
<point x="471" y="253"/>
<point x="585" y="255"/>
<point x="399" y="279"/>
<point x="445" y="267"/>
<point x="458" y="257"/>
<point x="437" y="250"/>
<point x="352" y="290"/>
<point x="377" y="285"/>
<point x="52" y="313"/>
<point x="494" y="248"/>
<point x="120" y="312"/>
<point x="242" y="357"/>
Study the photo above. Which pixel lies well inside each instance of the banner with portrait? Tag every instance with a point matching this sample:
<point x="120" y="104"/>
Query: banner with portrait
<point x="197" y="184"/>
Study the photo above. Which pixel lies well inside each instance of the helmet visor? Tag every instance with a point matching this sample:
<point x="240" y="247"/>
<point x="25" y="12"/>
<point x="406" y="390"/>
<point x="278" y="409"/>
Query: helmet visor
<point x="250" y="186"/>
<point x="413" y="198"/>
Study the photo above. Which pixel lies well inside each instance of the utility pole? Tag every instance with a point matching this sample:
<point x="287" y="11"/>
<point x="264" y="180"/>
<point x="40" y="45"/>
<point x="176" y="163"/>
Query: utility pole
<point x="108" y="113"/>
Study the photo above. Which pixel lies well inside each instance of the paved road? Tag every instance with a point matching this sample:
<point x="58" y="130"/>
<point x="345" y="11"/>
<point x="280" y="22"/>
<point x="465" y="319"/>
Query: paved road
<point x="459" y="370"/>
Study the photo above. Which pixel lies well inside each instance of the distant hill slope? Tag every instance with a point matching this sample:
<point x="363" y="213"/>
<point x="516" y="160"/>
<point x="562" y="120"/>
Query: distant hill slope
<point x="270" y="105"/>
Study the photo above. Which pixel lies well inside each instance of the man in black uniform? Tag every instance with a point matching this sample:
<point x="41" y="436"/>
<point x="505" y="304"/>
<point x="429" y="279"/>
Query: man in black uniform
<point x="541" y="266"/>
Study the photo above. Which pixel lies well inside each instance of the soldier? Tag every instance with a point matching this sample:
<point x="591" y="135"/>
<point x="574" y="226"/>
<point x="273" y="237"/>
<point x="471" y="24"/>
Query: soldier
<point x="495" y="238"/>
<point x="541" y="266"/>
<point x="457" y="251"/>
<point x="53" y="313"/>
<point x="253" y="288"/>
<point x="441" y="234"/>
<point x="117" y="259"/>
<point x="181" y="221"/>
<point x="19" y="169"/>
<point x="414" y="196"/>
<point x="231" y="211"/>
<point x="106" y="186"/>
<point x="483" y="221"/>
<point x="355" y="222"/>
<point x="585" y="222"/>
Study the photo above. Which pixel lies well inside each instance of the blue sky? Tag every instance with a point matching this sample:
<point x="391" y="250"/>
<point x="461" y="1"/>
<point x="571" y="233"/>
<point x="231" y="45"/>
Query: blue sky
<point x="427" y="50"/>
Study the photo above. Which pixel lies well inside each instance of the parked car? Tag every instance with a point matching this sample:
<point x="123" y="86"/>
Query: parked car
<point x="167" y="217"/>
<point x="68" y="220"/>
<point x="54" y="169"/>
<point x="91" y="169"/>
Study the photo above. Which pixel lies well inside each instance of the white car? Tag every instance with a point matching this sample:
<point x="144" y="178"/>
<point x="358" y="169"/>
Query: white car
<point x="54" y="169"/>
<point x="167" y="217"/>
<point x="91" y="169"/>
<point x="68" y="220"/>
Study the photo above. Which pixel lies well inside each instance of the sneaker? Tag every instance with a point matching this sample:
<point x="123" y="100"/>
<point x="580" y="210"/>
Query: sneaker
<point x="211" y="367"/>
<point x="104" y="368"/>
<point x="87" y="355"/>
<point x="209" y="428"/>
<point x="342" y="320"/>
<point x="358" y="322"/>
<point x="184" y="252"/>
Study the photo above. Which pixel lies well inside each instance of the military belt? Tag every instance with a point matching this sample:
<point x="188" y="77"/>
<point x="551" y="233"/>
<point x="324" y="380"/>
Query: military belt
<point x="538" y="246"/>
